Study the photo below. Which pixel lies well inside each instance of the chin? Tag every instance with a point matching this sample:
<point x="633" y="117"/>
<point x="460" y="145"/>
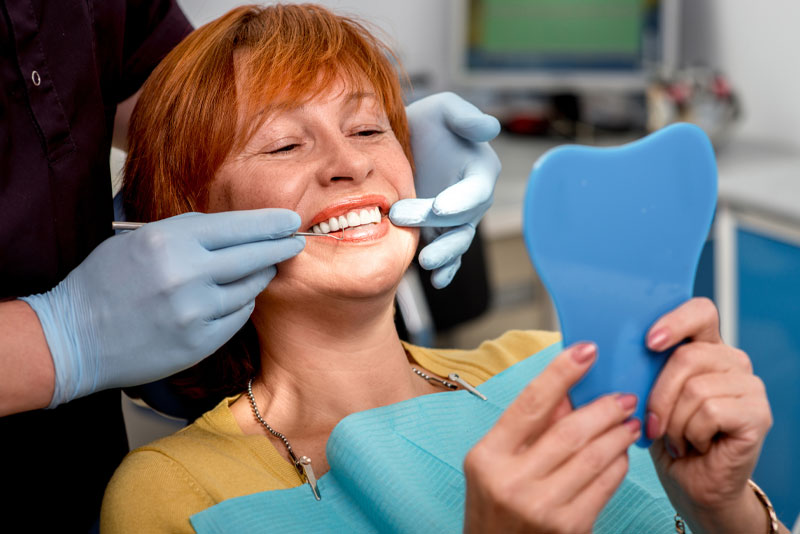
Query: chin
<point x="364" y="283"/>
<point x="375" y="270"/>
<point x="350" y="271"/>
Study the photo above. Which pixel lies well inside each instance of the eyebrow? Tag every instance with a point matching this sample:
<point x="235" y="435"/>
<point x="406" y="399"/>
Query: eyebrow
<point x="361" y="95"/>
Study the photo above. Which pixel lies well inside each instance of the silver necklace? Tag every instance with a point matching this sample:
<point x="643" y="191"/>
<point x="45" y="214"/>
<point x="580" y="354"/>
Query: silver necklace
<point x="303" y="464"/>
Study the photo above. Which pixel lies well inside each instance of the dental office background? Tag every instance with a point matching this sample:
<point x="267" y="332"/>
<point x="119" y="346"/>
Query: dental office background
<point x="728" y="65"/>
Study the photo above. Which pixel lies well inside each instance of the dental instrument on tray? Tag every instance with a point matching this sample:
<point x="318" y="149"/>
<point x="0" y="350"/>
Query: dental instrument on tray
<point x="124" y="225"/>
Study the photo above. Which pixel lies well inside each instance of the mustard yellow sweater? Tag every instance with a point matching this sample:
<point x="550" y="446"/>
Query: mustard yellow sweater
<point x="159" y="486"/>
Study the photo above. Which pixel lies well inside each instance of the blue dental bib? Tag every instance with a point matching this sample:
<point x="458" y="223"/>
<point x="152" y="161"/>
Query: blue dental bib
<point x="399" y="469"/>
<point x="615" y="235"/>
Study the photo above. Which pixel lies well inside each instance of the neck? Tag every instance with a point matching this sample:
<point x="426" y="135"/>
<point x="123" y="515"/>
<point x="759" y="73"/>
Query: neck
<point x="318" y="367"/>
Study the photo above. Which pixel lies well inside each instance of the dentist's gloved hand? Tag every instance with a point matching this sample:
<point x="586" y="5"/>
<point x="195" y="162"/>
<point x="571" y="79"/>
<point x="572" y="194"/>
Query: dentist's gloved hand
<point x="456" y="170"/>
<point x="148" y="303"/>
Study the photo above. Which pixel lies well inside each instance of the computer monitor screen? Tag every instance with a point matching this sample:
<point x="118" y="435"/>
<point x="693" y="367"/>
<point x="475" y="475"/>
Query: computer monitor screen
<point x="557" y="44"/>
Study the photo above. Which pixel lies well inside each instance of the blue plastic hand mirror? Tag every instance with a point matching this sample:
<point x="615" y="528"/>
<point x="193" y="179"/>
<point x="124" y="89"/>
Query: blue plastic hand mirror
<point x="615" y="235"/>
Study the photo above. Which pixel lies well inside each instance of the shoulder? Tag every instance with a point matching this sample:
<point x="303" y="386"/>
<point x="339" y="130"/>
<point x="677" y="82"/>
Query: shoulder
<point x="151" y="492"/>
<point x="159" y="486"/>
<point x="490" y="358"/>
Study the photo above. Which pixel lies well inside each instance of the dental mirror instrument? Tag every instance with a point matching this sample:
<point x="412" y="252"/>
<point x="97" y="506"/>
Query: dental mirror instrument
<point x="124" y="225"/>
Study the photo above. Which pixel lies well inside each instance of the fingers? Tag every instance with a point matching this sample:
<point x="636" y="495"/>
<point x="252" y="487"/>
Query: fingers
<point x="570" y="436"/>
<point x="420" y="212"/>
<point x="743" y="417"/>
<point x="696" y="319"/>
<point x="533" y="409"/>
<point x="687" y="361"/>
<point x="696" y="391"/>
<point x="447" y="247"/>
<point x="233" y="296"/>
<point x="467" y="121"/>
<point x="412" y="212"/>
<point x="596" y="495"/>
<point x="222" y="329"/>
<point x="476" y="186"/>
<point x="234" y="263"/>
<point x="226" y="229"/>
<point x="713" y="403"/>
<point x="442" y="276"/>
<point x="544" y="467"/>
<point x="197" y="304"/>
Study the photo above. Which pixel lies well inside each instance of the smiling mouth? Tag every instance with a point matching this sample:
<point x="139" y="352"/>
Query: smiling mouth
<point x="352" y="219"/>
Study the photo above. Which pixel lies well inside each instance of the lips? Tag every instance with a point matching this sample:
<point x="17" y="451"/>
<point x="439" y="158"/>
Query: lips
<point x="344" y="207"/>
<point x="354" y="220"/>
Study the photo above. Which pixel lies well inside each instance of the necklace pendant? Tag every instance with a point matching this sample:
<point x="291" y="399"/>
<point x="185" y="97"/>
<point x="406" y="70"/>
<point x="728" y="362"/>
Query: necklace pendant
<point x="466" y="385"/>
<point x="308" y="472"/>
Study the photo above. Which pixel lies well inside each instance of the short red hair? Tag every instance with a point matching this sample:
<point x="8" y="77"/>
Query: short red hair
<point x="185" y="124"/>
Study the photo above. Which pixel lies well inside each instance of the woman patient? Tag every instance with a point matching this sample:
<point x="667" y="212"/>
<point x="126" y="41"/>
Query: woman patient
<point x="293" y="107"/>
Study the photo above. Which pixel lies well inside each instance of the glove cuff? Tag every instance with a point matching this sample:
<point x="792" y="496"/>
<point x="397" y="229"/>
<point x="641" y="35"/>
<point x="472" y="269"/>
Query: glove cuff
<point x="56" y="315"/>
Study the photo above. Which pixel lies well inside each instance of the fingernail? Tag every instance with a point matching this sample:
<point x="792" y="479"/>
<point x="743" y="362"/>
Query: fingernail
<point x="627" y="402"/>
<point x="583" y="353"/>
<point x="671" y="450"/>
<point x="657" y="339"/>
<point x="653" y="425"/>
<point x="633" y="425"/>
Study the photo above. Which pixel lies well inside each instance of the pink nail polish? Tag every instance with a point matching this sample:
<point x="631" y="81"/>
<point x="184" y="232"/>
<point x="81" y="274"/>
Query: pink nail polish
<point x="633" y="425"/>
<point x="657" y="339"/>
<point x="653" y="425"/>
<point x="627" y="402"/>
<point x="583" y="353"/>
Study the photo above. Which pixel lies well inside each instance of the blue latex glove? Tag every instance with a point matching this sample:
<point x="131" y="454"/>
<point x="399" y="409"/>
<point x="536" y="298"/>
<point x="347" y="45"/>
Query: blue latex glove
<point x="148" y="303"/>
<point x="456" y="170"/>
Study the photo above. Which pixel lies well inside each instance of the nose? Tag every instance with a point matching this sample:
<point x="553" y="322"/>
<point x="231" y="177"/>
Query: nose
<point x="344" y="160"/>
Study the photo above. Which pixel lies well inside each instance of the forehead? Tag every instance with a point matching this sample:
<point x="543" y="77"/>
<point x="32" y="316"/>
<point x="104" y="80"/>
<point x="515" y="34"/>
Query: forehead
<point x="258" y="87"/>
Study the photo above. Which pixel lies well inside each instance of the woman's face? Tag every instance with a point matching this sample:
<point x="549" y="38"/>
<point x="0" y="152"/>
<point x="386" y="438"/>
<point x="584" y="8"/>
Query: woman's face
<point x="332" y="159"/>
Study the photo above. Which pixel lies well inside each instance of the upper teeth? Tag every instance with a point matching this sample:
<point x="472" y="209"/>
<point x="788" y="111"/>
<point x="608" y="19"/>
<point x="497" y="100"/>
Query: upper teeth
<point x="348" y="220"/>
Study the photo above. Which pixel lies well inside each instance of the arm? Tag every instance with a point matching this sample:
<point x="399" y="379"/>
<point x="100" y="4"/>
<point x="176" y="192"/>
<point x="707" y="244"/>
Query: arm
<point x="27" y="375"/>
<point x="708" y="414"/>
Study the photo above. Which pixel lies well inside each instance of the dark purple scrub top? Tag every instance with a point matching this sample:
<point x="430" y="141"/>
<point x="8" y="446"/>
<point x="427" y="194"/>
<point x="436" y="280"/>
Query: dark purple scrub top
<point x="64" y="65"/>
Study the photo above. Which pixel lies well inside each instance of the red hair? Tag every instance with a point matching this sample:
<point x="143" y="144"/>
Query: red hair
<point x="187" y="122"/>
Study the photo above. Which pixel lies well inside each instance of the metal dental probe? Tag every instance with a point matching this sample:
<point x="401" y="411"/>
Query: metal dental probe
<point x="124" y="225"/>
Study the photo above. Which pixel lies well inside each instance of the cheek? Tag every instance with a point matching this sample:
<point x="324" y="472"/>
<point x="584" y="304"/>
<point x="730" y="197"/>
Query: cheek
<point x="394" y="165"/>
<point x="219" y="196"/>
<point x="403" y="179"/>
<point x="243" y="188"/>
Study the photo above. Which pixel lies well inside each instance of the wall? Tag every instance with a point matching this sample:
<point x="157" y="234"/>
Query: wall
<point x="416" y="29"/>
<point x="756" y="44"/>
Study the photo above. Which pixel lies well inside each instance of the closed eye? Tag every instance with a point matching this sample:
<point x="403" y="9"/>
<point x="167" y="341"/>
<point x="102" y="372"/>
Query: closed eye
<point x="285" y="148"/>
<point x="367" y="133"/>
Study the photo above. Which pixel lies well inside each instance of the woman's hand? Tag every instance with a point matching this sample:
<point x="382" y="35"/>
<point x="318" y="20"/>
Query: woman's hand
<point x="712" y="413"/>
<point x="544" y="467"/>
